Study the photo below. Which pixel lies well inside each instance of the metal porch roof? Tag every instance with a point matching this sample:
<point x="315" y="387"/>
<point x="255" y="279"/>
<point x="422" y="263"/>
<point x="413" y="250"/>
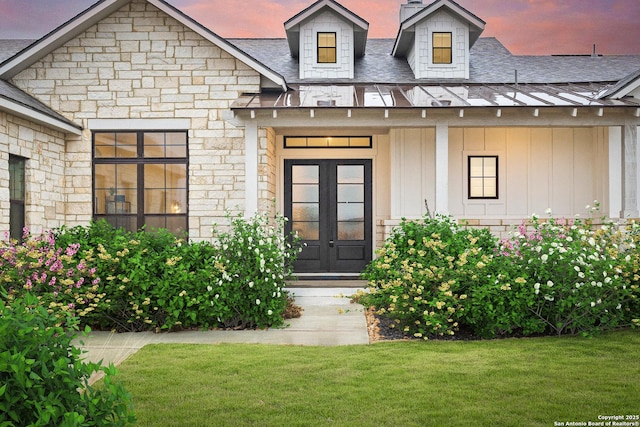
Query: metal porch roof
<point x="433" y="96"/>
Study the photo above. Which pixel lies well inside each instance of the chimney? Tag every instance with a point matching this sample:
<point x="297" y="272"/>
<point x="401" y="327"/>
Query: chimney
<point x="409" y="9"/>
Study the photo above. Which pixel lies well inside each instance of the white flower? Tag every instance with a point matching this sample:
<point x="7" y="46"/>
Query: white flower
<point x="576" y="268"/>
<point x="269" y="312"/>
<point x="581" y="275"/>
<point x="209" y="288"/>
<point x="548" y="211"/>
<point x="544" y="257"/>
<point x="257" y="302"/>
<point x="251" y="284"/>
<point x="550" y="284"/>
<point x="548" y="298"/>
<point x="593" y="304"/>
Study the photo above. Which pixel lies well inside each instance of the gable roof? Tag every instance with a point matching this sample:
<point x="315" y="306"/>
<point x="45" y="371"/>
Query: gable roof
<point x="406" y="32"/>
<point x="360" y="26"/>
<point x="104" y="8"/>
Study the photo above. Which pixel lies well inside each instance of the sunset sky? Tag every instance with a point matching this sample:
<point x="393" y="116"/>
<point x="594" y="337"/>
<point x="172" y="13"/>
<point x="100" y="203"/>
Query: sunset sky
<point x="526" y="27"/>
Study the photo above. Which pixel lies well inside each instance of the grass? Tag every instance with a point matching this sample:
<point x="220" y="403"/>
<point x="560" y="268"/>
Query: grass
<point x="512" y="382"/>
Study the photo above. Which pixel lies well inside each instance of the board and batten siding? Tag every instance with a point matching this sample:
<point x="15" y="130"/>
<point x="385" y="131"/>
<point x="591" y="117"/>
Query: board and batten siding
<point x="562" y="169"/>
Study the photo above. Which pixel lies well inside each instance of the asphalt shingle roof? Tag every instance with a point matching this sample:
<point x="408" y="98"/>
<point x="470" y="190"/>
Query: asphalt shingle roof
<point x="490" y="62"/>
<point x="9" y="47"/>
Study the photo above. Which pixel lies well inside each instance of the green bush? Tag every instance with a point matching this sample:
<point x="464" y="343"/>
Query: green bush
<point x="43" y="381"/>
<point x="433" y="277"/>
<point x="254" y="259"/>
<point x="421" y="277"/>
<point x="154" y="280"/>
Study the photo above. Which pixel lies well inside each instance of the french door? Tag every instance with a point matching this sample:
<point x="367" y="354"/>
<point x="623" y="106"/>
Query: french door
<point x="328" y="203"/>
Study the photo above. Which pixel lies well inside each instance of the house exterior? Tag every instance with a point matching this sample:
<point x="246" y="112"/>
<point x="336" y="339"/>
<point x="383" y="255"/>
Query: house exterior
<point x="134" y="112"/>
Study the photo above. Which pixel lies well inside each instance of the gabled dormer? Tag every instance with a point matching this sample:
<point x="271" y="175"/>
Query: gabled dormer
<point x="436" y="38"/>
<point x="326" y="38"/>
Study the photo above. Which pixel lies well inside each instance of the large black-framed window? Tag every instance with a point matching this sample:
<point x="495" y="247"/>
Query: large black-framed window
<point x="327" y="48"/>
<point x="140" y="179"/>
<point x="483" y="177"/>
<point x="442" y="48"/>
<point x="17" y="196"/>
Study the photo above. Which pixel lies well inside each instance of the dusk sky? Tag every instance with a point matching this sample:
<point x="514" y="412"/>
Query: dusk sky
<point x="525" y="27"/>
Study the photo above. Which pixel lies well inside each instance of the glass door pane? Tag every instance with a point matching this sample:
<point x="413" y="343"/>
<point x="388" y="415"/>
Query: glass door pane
<point x="351" y="207"/>
<point x="305" y="201"/>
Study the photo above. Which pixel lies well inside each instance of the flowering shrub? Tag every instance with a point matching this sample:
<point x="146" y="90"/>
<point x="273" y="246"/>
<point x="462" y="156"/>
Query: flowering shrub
<point x="155" y="280"/>
<point x="253" y="260"/>
<point x="552" y="277"/>
<point x="43" y="381"/>
<point x="422" y="275"/>
<point x="64" y="280"/>
<point x="574" y="274"/>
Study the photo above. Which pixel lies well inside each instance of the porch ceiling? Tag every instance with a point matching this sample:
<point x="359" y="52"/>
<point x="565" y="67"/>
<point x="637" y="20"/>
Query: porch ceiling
<point x="433" y="96"/>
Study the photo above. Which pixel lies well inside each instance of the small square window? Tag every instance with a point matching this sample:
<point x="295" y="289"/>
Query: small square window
<point x="327" y="48"/>
<point x="483" y="177"/>
<point x="442" y="48"/>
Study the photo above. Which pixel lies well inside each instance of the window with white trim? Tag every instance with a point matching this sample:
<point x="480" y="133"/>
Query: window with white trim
<point x="442" y="48"/>
<point x="327" y="48"/>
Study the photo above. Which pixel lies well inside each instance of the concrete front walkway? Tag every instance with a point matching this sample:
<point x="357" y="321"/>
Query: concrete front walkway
<point x="328" y="319"/>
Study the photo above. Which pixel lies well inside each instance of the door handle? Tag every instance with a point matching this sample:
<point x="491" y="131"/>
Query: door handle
<point x="330" y="243"/>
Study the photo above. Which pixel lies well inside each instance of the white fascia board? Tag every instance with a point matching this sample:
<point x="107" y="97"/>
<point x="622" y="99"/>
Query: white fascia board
<point x="473" y="20"/>
<point x="38" y="117"/>
<point x="139" y="124"/>
<point x="220" y="42"/>
<point x="58" y="37"/>
<point x="346" y="14"/>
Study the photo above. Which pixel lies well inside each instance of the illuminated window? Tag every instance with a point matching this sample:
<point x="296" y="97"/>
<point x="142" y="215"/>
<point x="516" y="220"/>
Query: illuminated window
<point x="327" y="142"/>
<point x="442" y="48"/>
<point x="483" y="177"/>
<point x="327" y="48"/>
<point x="140" y="179"/>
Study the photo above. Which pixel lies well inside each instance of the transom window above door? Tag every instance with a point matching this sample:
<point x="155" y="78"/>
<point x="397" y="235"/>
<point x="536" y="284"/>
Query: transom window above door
<point x="327" y="142"/>
<point x="140" y="179"/>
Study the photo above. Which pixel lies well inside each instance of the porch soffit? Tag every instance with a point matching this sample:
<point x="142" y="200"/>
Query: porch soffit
<point x="433" y="96"/>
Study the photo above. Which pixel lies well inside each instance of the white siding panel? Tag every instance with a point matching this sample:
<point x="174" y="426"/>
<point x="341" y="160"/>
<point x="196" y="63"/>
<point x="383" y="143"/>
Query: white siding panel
<point x="585" y="162"/>
<point x="540" y="170"/>
<point x="562" y="172"/>
<point x="515" y="167"/>
<point x="456" y="172"/>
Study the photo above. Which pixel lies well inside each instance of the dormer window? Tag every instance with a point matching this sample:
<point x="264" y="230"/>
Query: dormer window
<point x="327" y="48"/>
<point x="442" y="48"/>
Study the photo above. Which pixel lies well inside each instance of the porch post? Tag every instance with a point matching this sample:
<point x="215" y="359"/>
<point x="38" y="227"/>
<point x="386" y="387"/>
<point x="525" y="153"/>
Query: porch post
<point x="251" y="169"/>
<point x="442" y="169"/>
<point x="615" y="171"/>
<point x="630" y="171"/>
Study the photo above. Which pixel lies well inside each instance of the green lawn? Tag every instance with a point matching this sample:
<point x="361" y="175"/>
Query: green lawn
<point x="512" y="382"/>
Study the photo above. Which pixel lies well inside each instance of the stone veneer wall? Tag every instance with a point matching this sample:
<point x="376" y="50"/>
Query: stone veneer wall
<point x="45" y="150"/>
<point x="140" y="63"/>
<point x="267" y="170"/>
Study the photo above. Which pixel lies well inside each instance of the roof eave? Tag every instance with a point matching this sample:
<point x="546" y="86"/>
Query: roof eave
<point x="23" y="111"/>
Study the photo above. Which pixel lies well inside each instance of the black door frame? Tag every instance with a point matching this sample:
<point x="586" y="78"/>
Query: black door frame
<point x="328" y="254"/>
